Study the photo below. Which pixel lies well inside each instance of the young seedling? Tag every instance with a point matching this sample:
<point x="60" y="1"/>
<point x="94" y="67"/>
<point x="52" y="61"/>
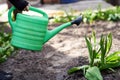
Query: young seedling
<point x="99" y="57"/>
<point x="6" y="48"/>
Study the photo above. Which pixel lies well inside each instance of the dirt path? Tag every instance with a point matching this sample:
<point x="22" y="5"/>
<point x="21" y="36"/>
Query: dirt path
<point x="66" y="49"/>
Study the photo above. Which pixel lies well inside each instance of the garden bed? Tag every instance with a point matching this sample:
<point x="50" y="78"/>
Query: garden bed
<point x="65" y="50"/>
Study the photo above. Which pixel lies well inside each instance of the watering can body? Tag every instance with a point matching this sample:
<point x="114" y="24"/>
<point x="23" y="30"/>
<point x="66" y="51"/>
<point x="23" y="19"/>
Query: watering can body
<point x="30" y="32"/>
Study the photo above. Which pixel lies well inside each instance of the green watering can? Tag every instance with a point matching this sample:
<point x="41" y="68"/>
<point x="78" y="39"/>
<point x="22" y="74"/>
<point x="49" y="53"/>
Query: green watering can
<point x="30" y="32"/>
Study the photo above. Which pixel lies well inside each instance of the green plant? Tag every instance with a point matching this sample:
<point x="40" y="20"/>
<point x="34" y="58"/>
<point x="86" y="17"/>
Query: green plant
<point x="112" y="14"/>
<point x="68" y="16"/>
<point x="89" y="16"/>
<point x="5" y="47"/>
<point x="99" y="57"/>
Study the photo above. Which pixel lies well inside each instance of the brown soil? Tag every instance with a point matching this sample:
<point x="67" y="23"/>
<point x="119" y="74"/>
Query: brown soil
<point x="65" y="50"/>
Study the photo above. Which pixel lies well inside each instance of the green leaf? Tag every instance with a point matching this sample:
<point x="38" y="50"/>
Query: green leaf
<point x="105" y="46"/>
<point x="94" y="56"/>
<point x="102" y="44"/>
<point x="109" y="43"/>
<point x="113" y="57"/>
<point x="2" y="50"/>
<point x="110" y="65"/>
<point x="94" y="36"/>
<point x="105" y="43"/>
<point x="75" y="69"/>
<point x="93" y="73"/>
<point x="90" y="49"/>
<point x="2" y="59"/>
<point x="102" y="48"/>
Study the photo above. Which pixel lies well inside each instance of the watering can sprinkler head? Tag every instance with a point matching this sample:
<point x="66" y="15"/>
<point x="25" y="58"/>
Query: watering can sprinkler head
<point x="77" y="21"/>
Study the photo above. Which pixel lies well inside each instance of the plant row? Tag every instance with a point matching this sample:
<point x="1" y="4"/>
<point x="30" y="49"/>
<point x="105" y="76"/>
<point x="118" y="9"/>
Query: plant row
<point x="89" y="16"/>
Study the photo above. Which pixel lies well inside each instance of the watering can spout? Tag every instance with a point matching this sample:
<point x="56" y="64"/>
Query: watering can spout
<point x="53" y="32"/>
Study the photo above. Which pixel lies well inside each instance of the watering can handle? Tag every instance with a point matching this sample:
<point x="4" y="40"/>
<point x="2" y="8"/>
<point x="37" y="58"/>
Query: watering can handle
<point x="30" y="8"/>
<point x="39" y="11"/>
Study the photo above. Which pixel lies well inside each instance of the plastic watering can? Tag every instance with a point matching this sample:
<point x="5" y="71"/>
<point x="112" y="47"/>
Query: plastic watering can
<point x="30" y="32"/>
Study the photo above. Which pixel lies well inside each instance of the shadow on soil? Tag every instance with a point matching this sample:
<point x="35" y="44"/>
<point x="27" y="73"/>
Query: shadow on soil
<point x="49" y="64"/>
